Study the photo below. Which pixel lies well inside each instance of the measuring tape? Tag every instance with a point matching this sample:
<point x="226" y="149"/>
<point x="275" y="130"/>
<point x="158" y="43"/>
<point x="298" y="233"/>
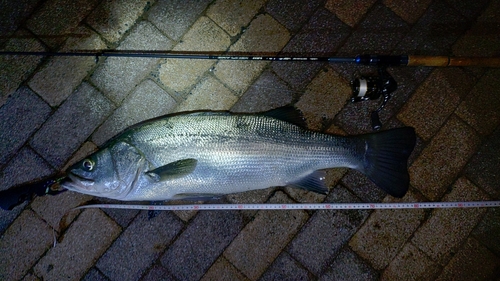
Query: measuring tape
<point x="300" y="206"/>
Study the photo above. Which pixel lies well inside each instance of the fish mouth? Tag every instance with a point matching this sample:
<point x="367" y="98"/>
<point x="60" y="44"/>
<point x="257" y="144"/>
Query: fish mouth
<point x="76" y="182"/>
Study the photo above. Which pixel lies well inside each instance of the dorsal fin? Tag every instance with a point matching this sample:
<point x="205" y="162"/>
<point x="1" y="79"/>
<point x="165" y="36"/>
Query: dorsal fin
<point x="288" y="114"/>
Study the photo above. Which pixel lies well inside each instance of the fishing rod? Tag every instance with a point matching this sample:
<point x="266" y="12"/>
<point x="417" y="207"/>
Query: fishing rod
<point x="363" y="88"/>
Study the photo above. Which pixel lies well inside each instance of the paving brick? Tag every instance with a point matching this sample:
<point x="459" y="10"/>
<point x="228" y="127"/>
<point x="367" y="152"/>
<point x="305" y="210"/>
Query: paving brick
<point x="411" y="264"/>
<point x="264" y="35"/>
<point x="250" y="197"/>
<point x="112" y="19"/>
<point x="488" y="230"/>
<point x="292" y="14"/>
<point x="175" y="17"/>
<point x="13" y="15"/>
<point x="324" y="97"/>
<point x="146" y="101"/>
<point x="435" y="32"/>
<point x="261" y="97"/>
<point x="117" y="76"/>
<point x="443" y="158"/>
<point x="348" y="266"/>
<point x="480" y="39"/>
<point x="208" y="94"/>
<point x="408" y="10"/>
<point x="53" y="81"/>
<point x="435" y="100"/>
<point x="158" y="273"/>
<point x="285" y="267"/>
<point x="73" y="122"/>
<point x="234" y="15"/>
<point x="143" y="241"/>
<point x="379" y="32"/>
<point x="94" y="275"/>
<point x="362" y="187"/>
<point x="471" y="9"/>
<point x="441" y="235"/>
<point x="22" y="245"/>
<point x="222" y="270"/>
<point x="22" y="115"/>
<point x="322" y="237"/>
<point x="204" y="36"/>
<point x="262" y="240"/>
<point x="57" y="20"/>
<point x="201" y="243"/>
<point x="480" y="107"/>
<point x="85" y="241"/>
<point x="386" y="231"/>
<point x="472" y="262"/>
<point x="15" y="69"/>
<point x="321" y="36"/>
<point x="482" y="168"/>
<point x="350" y="12"/>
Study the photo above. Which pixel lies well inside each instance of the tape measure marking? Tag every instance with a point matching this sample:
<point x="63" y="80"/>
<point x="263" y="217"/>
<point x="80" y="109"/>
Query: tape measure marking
<point x="300" y="206"/>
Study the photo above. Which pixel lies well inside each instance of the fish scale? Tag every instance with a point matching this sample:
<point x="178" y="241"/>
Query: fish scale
<point x="207" y="154"/>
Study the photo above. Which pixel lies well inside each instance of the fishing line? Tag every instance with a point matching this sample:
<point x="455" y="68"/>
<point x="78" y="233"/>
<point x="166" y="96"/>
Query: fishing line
<point x="300" y="206"/>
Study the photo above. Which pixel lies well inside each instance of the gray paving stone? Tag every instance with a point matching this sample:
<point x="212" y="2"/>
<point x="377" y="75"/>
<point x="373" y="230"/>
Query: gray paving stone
<point x="285" y="267"/>
<point x="488" y="230"/>
<point x="321" y="36"/>
<point x="472" y="262"/>
<point x="22" y="245"/>
<point x="60" y="76"/>
<point x="146" y="101"/>
<point x="434" y="237"/>
<point x="15" y="69"/>
<point x="292" y="14"/>
<point x="112" y="19"/>
<point x="94" y="275"/>
<point x="175" y="17"/>
<point x="223" y="270"/>
<point x="264" y="35"/>
<point x="72" y="123"/>
<point x="13" y="14"/>
<point x="22" y="115"/>
<point x="379" y="32"/>
<point x="117" y="76"/>
<point x="85" y="241"/>
<point x="142" y="242"/>
<point x="208" y="94"/>
<point x="435" y="100"/>
<point x="447" y="26"/>
<point x="411" y="264"/>
<point x="204" y="239"/>
<point x="449" y="150"/>
<point x="349" y="266"/>
<point x="262" y="240"/>
<point x="360" y="185"/>
<point x="323" y="98"/>
<point x="350" y="12"/>
<point x="481" y="169"/>
<point x="471" y="9"/>
<point x="480" y="107"/>
<point x="234" y="16"/>
<point x="322" y="237"/>
<point x="158" y="273"/>
<point x="261" y="97"/>
<point x="56" y="20"/>
<point x="408" y="10"/>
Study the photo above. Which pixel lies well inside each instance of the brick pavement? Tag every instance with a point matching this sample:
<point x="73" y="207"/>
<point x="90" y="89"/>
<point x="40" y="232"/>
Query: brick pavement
<point x="56" y="110"/>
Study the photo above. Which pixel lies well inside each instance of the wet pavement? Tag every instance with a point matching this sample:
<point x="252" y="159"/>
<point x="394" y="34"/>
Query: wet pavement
<point x="56" y="110"/>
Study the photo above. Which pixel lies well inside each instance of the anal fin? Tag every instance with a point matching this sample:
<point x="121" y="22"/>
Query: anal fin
<point x="313" y="182"/>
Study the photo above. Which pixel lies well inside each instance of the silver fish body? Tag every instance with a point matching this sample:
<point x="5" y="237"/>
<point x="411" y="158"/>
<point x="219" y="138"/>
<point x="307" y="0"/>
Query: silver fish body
<point x="209" y="154"/>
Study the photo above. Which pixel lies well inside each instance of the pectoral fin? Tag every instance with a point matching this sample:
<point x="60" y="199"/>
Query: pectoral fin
<point x="173" y="170"/>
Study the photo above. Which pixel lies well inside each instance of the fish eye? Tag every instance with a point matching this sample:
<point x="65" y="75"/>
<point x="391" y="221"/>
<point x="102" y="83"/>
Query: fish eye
<point x="88" y="165"/>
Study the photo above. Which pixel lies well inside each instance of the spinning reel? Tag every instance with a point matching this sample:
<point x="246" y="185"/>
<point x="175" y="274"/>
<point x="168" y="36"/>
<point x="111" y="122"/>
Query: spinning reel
<point x="371" y="88"/>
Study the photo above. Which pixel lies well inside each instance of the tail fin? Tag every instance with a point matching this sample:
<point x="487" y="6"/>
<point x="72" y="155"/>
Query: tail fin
<point x="386" y="159"/>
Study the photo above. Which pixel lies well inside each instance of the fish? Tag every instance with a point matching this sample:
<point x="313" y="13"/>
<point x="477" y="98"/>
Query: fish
<point x="209" y="154"/>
